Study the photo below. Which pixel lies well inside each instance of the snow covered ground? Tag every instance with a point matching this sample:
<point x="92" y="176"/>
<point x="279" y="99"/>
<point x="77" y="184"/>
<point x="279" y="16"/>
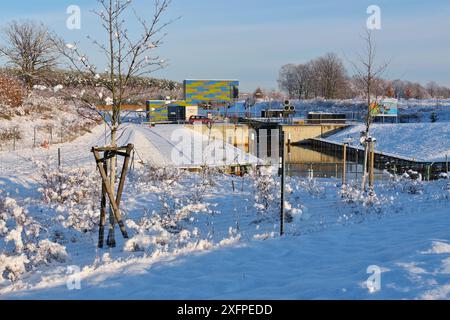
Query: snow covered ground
<point x="427" y="142"/>
<point x="42" y="119"/>
<point x="209" y="235"/>
<point x="161" y="146"/>
<point x="325" y="254"/>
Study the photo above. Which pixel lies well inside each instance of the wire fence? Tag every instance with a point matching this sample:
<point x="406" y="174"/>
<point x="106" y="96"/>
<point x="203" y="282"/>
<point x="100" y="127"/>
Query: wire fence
<point x="38" y="136"/>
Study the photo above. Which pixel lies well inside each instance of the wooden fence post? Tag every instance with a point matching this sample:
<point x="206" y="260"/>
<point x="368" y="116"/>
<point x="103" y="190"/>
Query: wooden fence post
<point x="283" y="172"/>
<point x="344" y="165"/>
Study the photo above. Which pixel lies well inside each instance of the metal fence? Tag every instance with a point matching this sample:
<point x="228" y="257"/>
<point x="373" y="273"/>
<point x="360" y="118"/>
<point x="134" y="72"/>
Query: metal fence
<point x="39" y="136"/>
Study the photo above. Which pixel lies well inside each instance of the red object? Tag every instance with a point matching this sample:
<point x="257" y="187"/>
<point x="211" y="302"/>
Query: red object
<point x="200" y="119"/>
<point x="45" y="144"/>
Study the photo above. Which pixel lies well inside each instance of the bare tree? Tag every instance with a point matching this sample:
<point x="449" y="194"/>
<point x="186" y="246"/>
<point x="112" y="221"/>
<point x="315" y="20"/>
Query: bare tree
<point x="330" y="76"/>
<point x="127" y="57"/>
<point x="367" y="75"/>
<point x="287" y="80"/>
<point x="432" y="88"/>
<point x="29" y="48"/>
<point x="325" y="77"/>
<point x="129" y="54"/>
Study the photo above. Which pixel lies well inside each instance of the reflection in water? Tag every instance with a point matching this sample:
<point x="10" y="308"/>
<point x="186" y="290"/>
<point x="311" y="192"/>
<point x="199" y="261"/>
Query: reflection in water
<point x="304" y="161"/>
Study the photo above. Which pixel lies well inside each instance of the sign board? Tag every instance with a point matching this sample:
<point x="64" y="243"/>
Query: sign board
<point x="211" y="92"/>
<point x="385" y="107"/>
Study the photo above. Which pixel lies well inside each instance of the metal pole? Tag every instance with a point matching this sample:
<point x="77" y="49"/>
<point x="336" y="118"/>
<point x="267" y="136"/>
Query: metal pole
<point x="59" y="157"/>
<point x="446" y="163"/>
<point x="344" y="166"/>
<point x="282" y="169"/>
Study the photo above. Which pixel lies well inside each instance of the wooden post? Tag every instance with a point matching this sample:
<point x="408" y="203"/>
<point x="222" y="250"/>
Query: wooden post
<point x="371" y="164"/>
<point x="344" y="165"/>
<point x="110" y="193"/>
<point x="132" y="161"/>
<point x="282" y="169"/>
<point x="366" y="158"/>
<point x="101" y="232"/>
<point x="289" y="147"/>
<point x="124" y="173"/>
<point x="115" y="215"/>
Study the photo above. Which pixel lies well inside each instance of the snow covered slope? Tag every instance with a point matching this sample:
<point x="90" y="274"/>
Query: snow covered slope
<point x="428" y="142"/>
<point x="325" y="254"/>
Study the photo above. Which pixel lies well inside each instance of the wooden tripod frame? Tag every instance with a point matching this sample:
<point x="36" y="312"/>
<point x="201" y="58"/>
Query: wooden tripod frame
<point x="107" y="191"/>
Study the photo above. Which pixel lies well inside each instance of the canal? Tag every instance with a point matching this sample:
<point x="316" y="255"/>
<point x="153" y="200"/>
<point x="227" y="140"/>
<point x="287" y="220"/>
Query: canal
<point x="307" y="161"/>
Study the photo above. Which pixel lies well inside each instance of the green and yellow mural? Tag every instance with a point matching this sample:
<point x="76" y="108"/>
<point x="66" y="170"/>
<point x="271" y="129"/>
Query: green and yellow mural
<point x="220" y="92"/>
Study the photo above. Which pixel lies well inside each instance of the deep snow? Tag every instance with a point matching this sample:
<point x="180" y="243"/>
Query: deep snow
<point x="227" y="246"/>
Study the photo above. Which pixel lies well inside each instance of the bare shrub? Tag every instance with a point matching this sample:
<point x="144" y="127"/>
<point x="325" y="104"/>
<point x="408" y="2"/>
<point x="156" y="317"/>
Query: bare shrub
<point x="11" y="92"/>
<point x="10" y="134"/>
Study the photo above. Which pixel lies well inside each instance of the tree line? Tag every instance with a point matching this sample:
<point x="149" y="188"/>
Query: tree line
<point x="327" y="77"/>
<point x="30" y="54"/>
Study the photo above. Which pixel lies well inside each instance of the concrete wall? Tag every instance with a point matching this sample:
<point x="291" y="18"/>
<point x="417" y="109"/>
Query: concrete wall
<point x="302" y="132"/>
<point x="236" y="135"/>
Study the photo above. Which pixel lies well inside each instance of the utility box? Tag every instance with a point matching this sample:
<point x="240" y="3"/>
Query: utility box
<point x="191" y="111"/>
<point x="180" y="113"/>
<point x="176" y="113"/>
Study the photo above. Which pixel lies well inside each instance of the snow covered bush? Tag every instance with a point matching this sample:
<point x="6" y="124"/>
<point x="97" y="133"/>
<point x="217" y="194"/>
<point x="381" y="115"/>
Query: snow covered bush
<point x="64" y="185"/>
<point x="12" y="267"/>
<point x="157" y="174"/>
<point x="293" y="207"/>
<point x="410" y="182"/>
<point x="9" y="134"/>
<point x="35" y="102"/>
<point x="352" y="194"/>
<point x="49" y="251"/>
<point x="205" y="180"/>
<point x="151" y="234"/>
<point x="166" y="183"/>
<point x="74" y="193"/>
<point x="22" y="245"/>
<point x="311" y="186"/>
<point x="265" y="190"/>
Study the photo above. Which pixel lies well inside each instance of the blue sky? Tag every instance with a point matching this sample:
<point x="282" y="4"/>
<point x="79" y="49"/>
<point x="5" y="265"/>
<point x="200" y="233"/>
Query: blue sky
<point x="251" y="39"/>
